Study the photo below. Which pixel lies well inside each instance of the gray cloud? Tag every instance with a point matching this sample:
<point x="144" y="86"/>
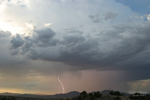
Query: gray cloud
<point x="16" y="41"/>
<point x="73" y="30"/>
<point x="6" y="60"/>
<point x="110" y="15"/>
<point x="95" y="18"/>
<point x="122" y="47"/>
<point x="26" y="46"/>
<point x="4" y="34"/>
<point x="73" y="39"/>
<point x="119" y="48"/>
<point x="44" y="37"/>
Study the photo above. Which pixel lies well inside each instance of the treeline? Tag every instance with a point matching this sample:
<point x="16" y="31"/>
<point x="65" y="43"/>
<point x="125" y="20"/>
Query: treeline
<point x="7" y="98"/>
<point x="85" y="96"/>
<point x="116" y="93"/>
<point x="138" y="96"/>
<point x="95" y="95"/>
<point x="113" y="95"/>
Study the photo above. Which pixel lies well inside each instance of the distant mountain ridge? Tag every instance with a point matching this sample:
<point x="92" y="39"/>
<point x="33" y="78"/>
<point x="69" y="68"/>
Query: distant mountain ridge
<point x="66" y="95"/>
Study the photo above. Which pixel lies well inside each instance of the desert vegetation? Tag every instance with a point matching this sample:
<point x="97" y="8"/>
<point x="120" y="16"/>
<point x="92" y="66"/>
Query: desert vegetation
<point x="112" y="95"/>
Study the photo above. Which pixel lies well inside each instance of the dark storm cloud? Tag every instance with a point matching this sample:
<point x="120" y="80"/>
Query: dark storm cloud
<point x="6" y="60"/>
<point x="26" y="46"/>
<point x="122" y="47"/>
<point x="16" y="41"/>
<point x="141" y="73"/>
<point x="44" y="37"/>
<point x="110" y="15"/>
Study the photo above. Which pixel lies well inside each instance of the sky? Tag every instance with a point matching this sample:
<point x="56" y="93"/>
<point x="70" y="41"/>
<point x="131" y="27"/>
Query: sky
<point x="90" y="45"/>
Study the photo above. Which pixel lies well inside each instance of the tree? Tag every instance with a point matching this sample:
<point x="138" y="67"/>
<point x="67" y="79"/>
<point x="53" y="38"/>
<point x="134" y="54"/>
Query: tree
<point x="83" y="94"/>
<point x="90" y="94"/>
<point x="117" y="93"/>
<point x="137" y="94"/>
<point x="97" y="94"/>
<point x="111" y="92"/>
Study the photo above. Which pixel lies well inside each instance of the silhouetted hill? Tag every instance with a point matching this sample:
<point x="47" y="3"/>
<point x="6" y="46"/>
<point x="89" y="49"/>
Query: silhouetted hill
<point x="66" y="95"/>
<point x="105" y="92"/>
<point x="9" y="94"/>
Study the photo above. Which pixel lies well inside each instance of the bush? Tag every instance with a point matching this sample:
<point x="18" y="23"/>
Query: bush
<point x="92" y="98"/>
<point x="111" y="92"/>
<point x="90" y="94"/>
<point x="97" y="94"/>
<point x="147" y="97"/>
<point x="117" y="98"/>
<point x="117" y="93"/>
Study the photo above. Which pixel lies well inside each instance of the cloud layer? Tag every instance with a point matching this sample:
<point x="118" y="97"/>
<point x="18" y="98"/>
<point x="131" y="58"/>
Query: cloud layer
<point x="42" y="40"/>
<point x="120" y="47"/>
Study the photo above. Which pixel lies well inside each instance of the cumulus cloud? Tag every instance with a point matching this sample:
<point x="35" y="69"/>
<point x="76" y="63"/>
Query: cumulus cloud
<point x="148" y="17"/>
<point x="16" y="41"/>
<point x="48" y="24"/>
<point x="44" y="37"/>
<point x="118" y="48"/>
<point x="4" y="34"/>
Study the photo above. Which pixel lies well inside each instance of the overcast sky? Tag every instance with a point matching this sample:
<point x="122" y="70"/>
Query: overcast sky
<point x="91" y="45"/>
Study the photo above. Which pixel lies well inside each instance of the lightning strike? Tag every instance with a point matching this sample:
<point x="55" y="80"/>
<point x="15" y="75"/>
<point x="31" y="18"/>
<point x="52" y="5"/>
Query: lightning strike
<point x="61" y="84"/>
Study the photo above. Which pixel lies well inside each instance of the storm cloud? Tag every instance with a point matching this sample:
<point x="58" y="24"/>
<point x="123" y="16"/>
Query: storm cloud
<point x="17" y="41"/>
<point x="100" y="42"/>
<point x="122" y="47"/>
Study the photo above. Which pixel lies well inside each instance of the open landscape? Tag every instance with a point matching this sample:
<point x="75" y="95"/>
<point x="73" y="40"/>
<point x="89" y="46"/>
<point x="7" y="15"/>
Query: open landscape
<point x="74" y="49"/>
<point x="74" y="95"/>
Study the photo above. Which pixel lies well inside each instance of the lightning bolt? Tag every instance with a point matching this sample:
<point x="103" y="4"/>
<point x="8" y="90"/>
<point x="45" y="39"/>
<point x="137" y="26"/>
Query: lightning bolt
<point x="62" y="86"/>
